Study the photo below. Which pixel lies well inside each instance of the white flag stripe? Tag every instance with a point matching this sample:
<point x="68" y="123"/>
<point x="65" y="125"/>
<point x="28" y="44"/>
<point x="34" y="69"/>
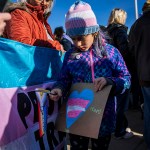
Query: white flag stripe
<point x="89" y="14"/>
<point x="73" y="108"/>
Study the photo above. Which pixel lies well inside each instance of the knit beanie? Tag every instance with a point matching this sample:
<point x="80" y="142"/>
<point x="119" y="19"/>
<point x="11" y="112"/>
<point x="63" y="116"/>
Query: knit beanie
<point x="80" y="20"/>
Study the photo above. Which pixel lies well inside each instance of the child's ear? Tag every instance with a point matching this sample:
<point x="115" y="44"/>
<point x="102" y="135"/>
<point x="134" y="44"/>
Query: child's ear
<point x="95" y="34"/>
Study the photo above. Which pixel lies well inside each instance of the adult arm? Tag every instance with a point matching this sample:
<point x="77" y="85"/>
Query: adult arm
<point x="121" y="41"/>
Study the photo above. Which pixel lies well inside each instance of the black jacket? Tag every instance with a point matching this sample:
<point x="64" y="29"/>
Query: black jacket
<point x="139" y="44"/>
<point x="67" y="45"/>
<point x="119" y="39"/>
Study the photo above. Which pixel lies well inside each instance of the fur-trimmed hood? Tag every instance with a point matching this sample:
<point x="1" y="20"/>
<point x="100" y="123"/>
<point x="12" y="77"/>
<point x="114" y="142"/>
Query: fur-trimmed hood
<point x="12" y="6"/>
<point x="28" y="8"/>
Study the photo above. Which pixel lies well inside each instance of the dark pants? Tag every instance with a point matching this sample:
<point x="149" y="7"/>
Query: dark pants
<point x="137" y="97"/>
<point x="81" y="143"/>
<point x="146" y="95"/>
<point x="122" y="107"/>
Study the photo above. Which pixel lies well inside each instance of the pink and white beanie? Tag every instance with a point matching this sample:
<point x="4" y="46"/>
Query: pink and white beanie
<point x="80" y="20"/>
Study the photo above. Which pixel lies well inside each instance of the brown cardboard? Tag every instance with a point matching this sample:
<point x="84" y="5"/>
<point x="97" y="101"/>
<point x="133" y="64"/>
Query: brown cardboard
<point x="89" y="123"/>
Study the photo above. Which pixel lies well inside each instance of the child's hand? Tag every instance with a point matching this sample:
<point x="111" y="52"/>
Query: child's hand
<point x="55" y="94"/>
<point x="99" y="83"/>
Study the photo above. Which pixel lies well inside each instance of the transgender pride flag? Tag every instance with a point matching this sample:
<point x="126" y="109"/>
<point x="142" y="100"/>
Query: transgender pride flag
<point x="25" y="68"/>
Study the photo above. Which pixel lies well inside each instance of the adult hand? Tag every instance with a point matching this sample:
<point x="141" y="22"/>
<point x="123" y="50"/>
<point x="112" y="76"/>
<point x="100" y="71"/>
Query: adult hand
<point x="99" y="83"/>
<point x="55" y="94"/>
<point x="3" y="17"/>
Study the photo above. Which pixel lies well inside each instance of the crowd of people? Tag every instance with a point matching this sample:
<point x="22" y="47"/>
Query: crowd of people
<point x="118" y="59"/>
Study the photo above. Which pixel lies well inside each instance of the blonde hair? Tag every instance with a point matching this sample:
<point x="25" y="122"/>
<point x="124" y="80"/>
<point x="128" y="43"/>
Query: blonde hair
<point x="117" y="16"/>
<point x="146" y="6"/>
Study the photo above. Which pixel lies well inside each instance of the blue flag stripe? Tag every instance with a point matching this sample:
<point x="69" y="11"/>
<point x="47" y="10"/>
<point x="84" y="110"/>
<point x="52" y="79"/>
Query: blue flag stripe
<point x="25" y="65"/>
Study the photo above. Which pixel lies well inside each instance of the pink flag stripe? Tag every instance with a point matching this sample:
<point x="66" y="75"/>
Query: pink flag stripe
<point x="78" y="102"/>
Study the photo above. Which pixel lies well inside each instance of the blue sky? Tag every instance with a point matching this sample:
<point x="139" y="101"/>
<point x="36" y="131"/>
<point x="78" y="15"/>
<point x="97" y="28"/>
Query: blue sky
<point x="101" y="8"/>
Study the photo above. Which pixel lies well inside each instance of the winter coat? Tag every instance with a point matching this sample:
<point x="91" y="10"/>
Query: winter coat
<point x="139" y="43"/>
<point x="78" y="69"/>
<point x="66" y="44"/>
<point x="119" y="39"/>
<point x="28" y="26"/>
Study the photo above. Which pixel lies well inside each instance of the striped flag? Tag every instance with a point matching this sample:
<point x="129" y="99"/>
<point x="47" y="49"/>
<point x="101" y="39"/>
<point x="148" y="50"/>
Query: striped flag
<point x="25" y="68"/>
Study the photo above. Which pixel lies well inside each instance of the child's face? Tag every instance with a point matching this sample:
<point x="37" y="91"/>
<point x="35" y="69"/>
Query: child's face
<point x="83" y="42"/>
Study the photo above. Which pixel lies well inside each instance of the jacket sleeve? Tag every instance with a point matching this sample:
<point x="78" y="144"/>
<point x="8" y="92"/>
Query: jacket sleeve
<point x="66" y="44"/>
<point x="121" y="76"/>
<point x="121" y="41"/>
<point x="65" y="79"/>
<point x="47" y="43"/>
<point x="18" y="29"/>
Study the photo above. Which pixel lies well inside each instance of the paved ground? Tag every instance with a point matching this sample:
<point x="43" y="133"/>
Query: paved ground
<point x="136" y="142"/>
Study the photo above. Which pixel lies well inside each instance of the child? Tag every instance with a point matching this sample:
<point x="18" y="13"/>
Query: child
<point x="63" y="39"/>
<point x="91" y="51"/>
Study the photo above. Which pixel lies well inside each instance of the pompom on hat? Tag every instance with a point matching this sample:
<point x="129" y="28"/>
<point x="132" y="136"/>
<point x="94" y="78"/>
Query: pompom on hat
<point x="81" y="20"/>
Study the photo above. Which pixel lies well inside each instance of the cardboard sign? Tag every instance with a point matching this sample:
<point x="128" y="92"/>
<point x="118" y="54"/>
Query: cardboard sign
<point x="82" y="113"/>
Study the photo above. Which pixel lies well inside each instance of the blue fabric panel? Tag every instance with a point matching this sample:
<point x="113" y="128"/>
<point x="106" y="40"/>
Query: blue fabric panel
<point x="26" y="65"/>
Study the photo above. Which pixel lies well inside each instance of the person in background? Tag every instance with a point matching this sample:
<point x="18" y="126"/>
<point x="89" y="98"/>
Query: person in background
<point x="28" y="24"/>
<point x="91" y="51"/>
<point x="64" y="39"/>
<point x="139" y="46"/>
<point x="3" y="18"/>
<point x="118" y="33"/>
